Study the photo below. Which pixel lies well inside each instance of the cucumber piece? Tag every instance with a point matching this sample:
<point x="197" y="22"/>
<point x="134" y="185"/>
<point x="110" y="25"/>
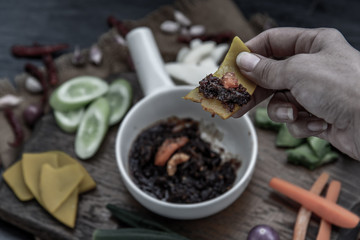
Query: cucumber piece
<point x="285" y="139"/>
<point x="135" y="220"/>
<point x="77" y="92"/>
<point x="69" y="121"/>
<point x="119" y="97"/>
<point x="92" y="128"/>
<point x="262" y="120"/>
<point x="320" y="146"/>
<point x="303" y="155"/>
<point x="134" y="234"/>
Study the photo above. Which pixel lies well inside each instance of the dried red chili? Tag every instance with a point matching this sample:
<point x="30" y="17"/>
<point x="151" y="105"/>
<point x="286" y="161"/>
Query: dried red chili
<point x="50" y="69"/>
<point x="15" y="126"/>
<point x="36" y="50"/>
<point x="36" y="73"/>
<point x="120" y="27"/>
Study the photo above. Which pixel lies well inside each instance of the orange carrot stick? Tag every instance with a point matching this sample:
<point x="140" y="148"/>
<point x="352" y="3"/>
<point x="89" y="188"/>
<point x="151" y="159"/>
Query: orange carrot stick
<point x="324" y="208"/>
<point x="332" y="194"/>
<point x="304" y="215"/>
<point x="167" y="148"/>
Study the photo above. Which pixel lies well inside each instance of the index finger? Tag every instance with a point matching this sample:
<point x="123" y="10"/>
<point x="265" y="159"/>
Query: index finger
<point x="283" y="42"/>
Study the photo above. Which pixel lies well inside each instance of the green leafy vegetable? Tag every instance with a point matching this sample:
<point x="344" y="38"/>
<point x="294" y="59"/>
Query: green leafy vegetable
<point x="285" y="139"/>
<point x="262" y="120"/>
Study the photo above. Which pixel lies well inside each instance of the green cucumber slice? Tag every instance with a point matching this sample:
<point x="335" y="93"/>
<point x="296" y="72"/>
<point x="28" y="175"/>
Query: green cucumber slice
<point x="77" y="92"/>
<point x="69" y="121"/>
<point x="92" y="128"/>
<point x="119" y="97"/>
<point x="285" y="139"/>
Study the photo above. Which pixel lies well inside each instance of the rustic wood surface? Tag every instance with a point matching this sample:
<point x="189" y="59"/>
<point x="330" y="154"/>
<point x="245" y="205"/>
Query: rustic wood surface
<point x="257" y="205"/>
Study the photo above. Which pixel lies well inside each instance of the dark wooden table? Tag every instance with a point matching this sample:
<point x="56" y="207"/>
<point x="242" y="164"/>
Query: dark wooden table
<point x="81" y="22"/>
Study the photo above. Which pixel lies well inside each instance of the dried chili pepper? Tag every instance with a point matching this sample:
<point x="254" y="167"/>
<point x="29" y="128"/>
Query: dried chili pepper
<point x="36" y="50"/>
<point x="120" y="27"/>
<point x="15" y="126"/>
<point x="50" y="69"/>
<point x="36" y="73"/>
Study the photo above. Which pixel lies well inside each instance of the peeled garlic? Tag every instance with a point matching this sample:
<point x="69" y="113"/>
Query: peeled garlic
<point x="95" y="54"/>
<point x="197" y="30"/>
<point x="9" y="100"/>
<point x="170" y="26"/>
<point x="33" y="85"/>
<point x="181" y="18"/>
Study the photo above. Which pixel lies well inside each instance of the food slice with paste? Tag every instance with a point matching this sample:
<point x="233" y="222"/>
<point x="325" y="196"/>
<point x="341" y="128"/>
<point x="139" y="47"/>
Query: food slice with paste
<point x="224" y="92"/>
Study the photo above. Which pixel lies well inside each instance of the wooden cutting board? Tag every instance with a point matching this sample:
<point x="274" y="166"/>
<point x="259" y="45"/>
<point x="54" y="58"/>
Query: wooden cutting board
<point x="257" y="205"/>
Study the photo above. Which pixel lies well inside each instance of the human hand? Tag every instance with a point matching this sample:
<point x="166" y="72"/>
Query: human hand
<point x="316" y="85"/>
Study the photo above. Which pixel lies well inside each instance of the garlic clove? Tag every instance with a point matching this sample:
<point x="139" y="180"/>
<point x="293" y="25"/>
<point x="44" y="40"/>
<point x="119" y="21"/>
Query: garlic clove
<point x="33" y="85"/>
<point x="197" y="30"/>
<point x="219" y="52"/>
<point x="95" y="54"/>
<point x="170" y="26"/>
<point x="189" y="73"/>
<point x="119" y="39"/>
<point x="182" y="53"/>
<point x="195" y="43"/>
<point x="196" y="54"/>
<point x="181" y="18"/>
<point x="9" y="100"/>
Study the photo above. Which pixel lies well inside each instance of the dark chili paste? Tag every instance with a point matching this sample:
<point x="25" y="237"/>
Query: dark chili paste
<point x="213" y="87"/>
<point x="203" y="176"/>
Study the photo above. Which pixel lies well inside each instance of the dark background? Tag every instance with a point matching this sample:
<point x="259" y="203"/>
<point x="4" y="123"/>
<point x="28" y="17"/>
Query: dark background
<point x="82" y="22"/>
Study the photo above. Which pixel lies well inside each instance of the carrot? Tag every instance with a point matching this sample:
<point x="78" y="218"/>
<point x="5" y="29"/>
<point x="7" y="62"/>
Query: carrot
<point x="304" y="215"/>
<point x="324" y="208"/>
<point x="167" y="148"/>
<point x="332" y="195"/>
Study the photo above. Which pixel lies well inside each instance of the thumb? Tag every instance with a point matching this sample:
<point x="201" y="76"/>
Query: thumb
<point x="263" y="71"/>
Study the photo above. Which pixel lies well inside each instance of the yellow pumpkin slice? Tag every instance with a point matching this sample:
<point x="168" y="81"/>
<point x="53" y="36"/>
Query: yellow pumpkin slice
<point x="214" y="106"/>
<point x="56" y="184"/>
<point x="67" y="211"/>
<point x="31" y="167"/>
<point x="87" y="183"/>
<point x="13" y="176"/>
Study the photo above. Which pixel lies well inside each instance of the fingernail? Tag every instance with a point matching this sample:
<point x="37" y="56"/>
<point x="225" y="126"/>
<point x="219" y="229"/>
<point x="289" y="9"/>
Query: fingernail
<point x="317" y="126"/>
<point x="285" y="113"/>
<point x="247" y="61"/>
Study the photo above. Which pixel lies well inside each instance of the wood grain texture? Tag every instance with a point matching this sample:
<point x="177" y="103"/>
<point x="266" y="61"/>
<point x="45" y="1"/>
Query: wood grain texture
<point x="257" y="205"/>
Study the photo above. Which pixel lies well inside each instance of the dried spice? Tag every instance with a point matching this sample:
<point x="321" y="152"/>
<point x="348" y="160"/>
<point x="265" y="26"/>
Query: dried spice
<point x="201" y="177"/>
<point x="120" y="27"/>
<point x="16" y="128"/>
<point x="36" y="50"/>
<point x="50" y="69"/>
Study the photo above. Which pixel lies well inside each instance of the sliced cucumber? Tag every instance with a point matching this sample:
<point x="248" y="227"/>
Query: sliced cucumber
<point x="92" y="128"/>
<point x="69" y="121"/>
<point x="77" y="92"/>
<point x="119" y="97"/>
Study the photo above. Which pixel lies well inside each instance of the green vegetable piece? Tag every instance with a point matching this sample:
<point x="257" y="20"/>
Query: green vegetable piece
<point x="77" y="92"/>
<point x="262" y="120"/>
<point x="135" y="220"/>
<point x="320" y="146"/>
<point x="92" y="128"/>
<point x="134" y="234"/>
<point x="69" y="121"/>
<point x="119" y="97"/>
<point x="303" y="155"/>
<point x="285" y="139"/>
